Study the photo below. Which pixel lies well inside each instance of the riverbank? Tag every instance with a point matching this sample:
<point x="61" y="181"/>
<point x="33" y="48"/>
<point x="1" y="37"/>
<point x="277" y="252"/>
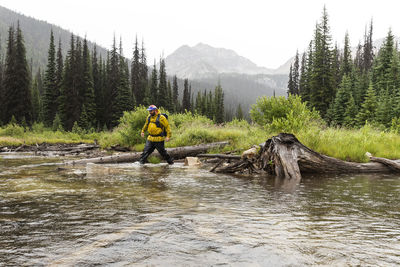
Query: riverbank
<point x="191" y="129"/>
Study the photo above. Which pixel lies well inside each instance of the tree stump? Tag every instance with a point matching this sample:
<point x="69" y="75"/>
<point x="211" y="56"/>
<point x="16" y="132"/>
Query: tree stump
<point x="284" y="156"/>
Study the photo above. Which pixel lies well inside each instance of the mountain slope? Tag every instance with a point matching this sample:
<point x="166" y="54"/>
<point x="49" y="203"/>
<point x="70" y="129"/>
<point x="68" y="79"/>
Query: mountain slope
<point x="36" y="35"/>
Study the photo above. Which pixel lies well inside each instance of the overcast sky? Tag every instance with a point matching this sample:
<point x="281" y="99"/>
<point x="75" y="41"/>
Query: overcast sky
<point x="268" y="32"/>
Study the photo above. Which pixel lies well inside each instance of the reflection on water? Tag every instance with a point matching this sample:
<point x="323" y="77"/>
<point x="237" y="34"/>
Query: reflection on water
<point x="160" y="215"/>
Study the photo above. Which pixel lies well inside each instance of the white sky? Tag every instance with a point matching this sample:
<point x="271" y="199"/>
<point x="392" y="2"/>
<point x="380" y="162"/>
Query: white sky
<point x="267" y="32"/>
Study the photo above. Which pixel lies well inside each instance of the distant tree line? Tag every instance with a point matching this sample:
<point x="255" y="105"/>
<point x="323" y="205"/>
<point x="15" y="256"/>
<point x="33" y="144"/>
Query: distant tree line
<point x="88" y="91"/>
<point x="349" y="91"/>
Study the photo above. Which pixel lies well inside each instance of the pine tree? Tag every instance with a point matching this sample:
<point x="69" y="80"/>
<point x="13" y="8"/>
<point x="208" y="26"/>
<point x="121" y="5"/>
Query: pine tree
<point x="296" y="74"/>
<point x="368" y="107"/>
<point x="219" y="104"/>
<point x="302" y="77"/>
<point x="175" y="94"/>
<point x="113" y="83"/>
<point x="70" y="107"/>
<point x="290" y="85"/>
<point x="384" y="109"/>
<point x="347" y="62"/>
<point x="350" y="114"/>
<point x="50" y="85"/>
<point x="170" y="104"/>
<point x="337" y="76"/>
<point x="17" y="93"/>
<point x="98" y="87"/>
<point x="368" y="50"/>
<point x="154" y="86"/>
<point x="239" y="112"/>
<point x="36" y="100"/>
<point x="137" y="91"/>
<point x="88" y="95"/>
<point x="322" y="78"/>
<point x="144" y="80"/>
<point x="382" y="65"/>
<point x="1" y="86"/>
<point x="341" y="100"/>
<point x="59" y="74"/>
<point x="186" y="96"/>
<point x="163" y="87"/>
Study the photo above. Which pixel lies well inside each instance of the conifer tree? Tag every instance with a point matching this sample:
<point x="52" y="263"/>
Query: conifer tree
<point x="384" y="110"/>
<point x="296" y="74"/>
<point x="70" y="107"/>
<point x="368" y="50"/>
<point x="163" y="87"/>
<point x="113" y="83"/>
<point x="144" y="89"/>
<point x="137" y="91"/>
<point x="17" y="93"/>
<point x="336" y="72"/>
<point x="88" y="97"/>
<point x="368" y="107"/>
<point x="381" y="71"/>
<point x="322" y="79"/>
<point x="239" y="112"/>
<point x="98" y="87"/>
<point x="347" y="62"/>
<point x="175" y="94"/>
<point x="341" y="100"/>
<point x="170" y="104"/>
<point x="290" y="82"/>
<point x="350" y="114"/>
<point x="1" y="86"/>
<point x="50" y="85"/>
<point x="154" y="86"/>
<point x="59" y="74"/>
<point x="302" y="75"/>
<point x="186" y="96"/>
<point x="36" y="100"/>
<point x="219" y="104"/>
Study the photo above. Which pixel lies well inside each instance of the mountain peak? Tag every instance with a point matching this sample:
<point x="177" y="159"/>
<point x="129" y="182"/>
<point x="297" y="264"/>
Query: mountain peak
<point x="204" y="60"/>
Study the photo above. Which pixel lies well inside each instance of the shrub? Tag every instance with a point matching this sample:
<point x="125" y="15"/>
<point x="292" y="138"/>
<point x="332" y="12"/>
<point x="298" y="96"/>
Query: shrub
<point x="188" y="117"/>
<point x="130" y="126"/>
<point x="13" y="130"/>
<point x="284" y="114"/>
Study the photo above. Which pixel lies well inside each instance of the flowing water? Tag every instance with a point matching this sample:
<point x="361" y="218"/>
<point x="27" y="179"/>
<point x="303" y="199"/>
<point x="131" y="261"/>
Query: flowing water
<point x="158" y="215"/>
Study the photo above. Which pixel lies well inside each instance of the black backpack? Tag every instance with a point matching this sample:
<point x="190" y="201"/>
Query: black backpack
<point x="158" y="124"/>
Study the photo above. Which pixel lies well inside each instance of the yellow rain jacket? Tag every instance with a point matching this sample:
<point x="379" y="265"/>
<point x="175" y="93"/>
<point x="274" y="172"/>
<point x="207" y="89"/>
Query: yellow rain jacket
<point x="154" y="131"/>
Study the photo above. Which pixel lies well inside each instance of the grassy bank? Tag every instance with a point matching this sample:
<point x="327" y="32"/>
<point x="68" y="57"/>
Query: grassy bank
<point x="189" y="129"/>
<point x="15" y="135"/>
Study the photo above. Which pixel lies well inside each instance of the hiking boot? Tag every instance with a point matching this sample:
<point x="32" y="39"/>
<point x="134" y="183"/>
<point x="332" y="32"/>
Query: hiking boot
<point x="170" y="162"/>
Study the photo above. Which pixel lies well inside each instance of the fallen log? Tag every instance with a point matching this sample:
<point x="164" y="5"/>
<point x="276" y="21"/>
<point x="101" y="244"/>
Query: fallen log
<point x="176" y="153"/>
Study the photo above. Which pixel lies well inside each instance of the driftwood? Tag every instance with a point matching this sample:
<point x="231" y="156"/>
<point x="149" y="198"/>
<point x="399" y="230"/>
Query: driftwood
<point x="392" y="164"/>
<point x="219" y="156"/>
<point x="176" y="153"/>
<point x="284" y="156"/>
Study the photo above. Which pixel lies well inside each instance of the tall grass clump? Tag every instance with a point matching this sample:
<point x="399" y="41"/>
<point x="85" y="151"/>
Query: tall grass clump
<point x="351" y="144"/>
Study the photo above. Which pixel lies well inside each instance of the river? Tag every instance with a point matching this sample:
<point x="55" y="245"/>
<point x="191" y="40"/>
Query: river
<point x="119" y="215"/>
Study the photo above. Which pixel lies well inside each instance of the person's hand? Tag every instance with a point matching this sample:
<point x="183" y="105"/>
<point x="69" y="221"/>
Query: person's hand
<point x="167" y="139"/>
<point x="142" y="134"/>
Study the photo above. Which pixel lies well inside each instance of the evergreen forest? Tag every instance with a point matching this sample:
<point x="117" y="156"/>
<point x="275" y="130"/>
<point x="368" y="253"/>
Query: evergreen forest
<point x="349" y="89"/>
<point x="88" y="91"/>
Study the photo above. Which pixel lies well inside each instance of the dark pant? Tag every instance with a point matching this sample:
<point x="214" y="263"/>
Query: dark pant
<point x="149" y="148"/>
